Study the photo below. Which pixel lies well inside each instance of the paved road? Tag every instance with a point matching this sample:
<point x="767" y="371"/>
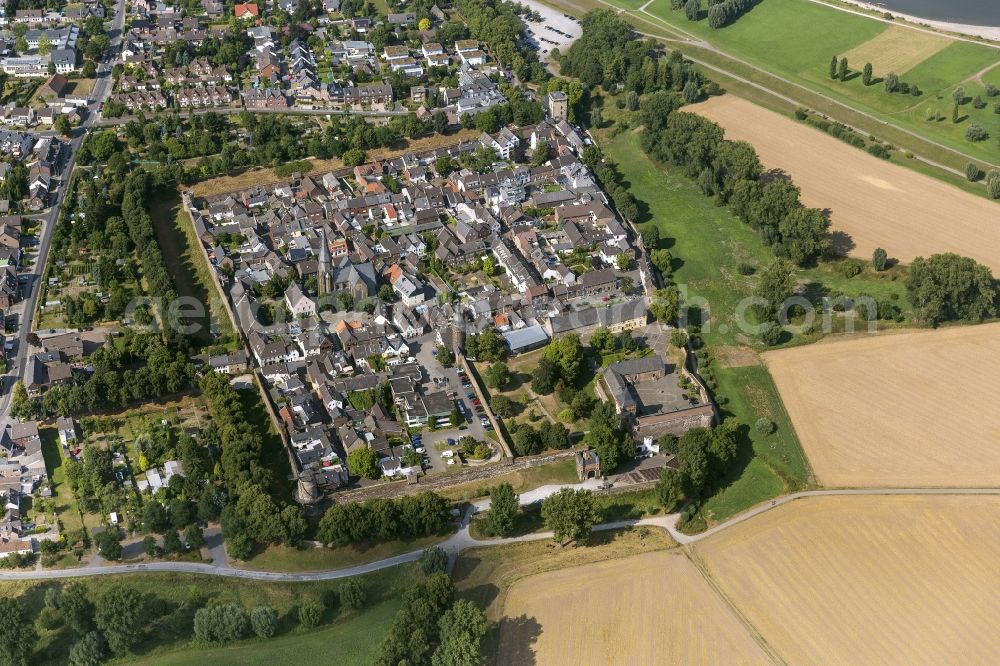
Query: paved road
<point x="100" y="92"/>
<point x="462" y="539"/>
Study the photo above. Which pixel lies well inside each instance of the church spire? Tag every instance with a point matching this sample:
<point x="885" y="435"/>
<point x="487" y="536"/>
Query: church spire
<point x="324" y="279"/>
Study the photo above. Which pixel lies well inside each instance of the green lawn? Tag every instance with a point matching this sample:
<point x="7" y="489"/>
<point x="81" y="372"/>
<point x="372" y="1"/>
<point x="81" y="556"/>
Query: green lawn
<point x="342" y="638"/>
<point x="352" y="641"/>
<point x="707" y="243"/>
<point x="65" y="504"/>
<point x="192" y="275"/>
<point x="796" y="39"/>
<point x="284" y="558"/>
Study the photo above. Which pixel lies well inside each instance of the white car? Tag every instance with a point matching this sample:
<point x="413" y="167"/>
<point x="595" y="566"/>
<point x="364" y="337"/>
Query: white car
<point x="420" y="449"/>
<point x="448" y="454"/>
<point x="451" y="461"/>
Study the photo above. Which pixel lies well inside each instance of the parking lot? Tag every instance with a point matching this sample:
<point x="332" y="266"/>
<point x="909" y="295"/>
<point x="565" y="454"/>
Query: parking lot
<point x="445" y="379"/>
<point x="555" y="30"/>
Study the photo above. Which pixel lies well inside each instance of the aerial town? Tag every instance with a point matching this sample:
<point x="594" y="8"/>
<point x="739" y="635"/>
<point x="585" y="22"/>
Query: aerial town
<point x="366" y="331"/>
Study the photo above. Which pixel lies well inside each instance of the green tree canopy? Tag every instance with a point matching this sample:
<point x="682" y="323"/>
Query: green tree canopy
<point x="499" y="520"/>
<point x="570" y="514"/>
<point x="364" y="463"/>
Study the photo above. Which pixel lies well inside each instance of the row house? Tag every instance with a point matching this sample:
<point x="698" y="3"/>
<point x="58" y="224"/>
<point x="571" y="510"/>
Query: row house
<point x="266" y="98"/>
<point x="201" y="97"/>
<point x="134" y="101"/>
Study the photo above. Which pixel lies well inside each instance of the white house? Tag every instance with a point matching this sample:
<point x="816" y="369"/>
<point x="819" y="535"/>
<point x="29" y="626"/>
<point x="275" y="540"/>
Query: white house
<point x="299" y="305"/>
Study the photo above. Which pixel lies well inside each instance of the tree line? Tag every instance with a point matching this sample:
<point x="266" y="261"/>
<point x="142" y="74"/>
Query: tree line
<point x="251" y="516"/>
<point x="731" y="172"/>
<point x="379" y="519"/>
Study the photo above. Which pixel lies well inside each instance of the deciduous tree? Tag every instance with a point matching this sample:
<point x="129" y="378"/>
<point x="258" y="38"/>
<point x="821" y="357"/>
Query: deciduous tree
<point x="499" y="520"/>
<point x="570" y="514"/>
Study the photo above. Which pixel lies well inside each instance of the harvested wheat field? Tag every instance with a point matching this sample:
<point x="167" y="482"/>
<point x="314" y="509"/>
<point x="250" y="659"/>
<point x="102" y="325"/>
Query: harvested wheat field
<point x="654" y="608"/>
<point x="897" y="49"/>
<point x="867" y="579"/>
<point x="908" y="409"/>
<point x="875" y="202"/>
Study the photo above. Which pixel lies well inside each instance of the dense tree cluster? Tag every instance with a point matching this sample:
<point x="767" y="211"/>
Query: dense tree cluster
<point x="609" y="52"/>
<point x="565" y="356"/>
<point x="723" y="13"/>
<point x="499" y="25"/>
<point x="133" y="367"/>
<point x="527" y="440"/>
<point x="499" y="519"/>
<point x="223" y="623"/>
<point x="570" y="514"/>
<point x="703" y="457"/>
<point x="431" y="628"/>
<point x="606" y="436"/>
<point x="948" y="287"/>
<point x="379" y="519"/>
<point x="486" y="346"/>
<point x="251" y="515"/>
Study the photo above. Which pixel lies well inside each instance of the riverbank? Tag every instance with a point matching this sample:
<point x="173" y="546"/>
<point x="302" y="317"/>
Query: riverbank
<point x="986" y="32"/>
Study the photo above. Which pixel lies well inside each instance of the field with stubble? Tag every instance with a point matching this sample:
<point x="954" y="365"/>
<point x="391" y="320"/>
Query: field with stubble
<point x="908" y="409"/>
<point x="867" y="580"/>
<point x="875" y="202"/>
<point x="654" y="608"/>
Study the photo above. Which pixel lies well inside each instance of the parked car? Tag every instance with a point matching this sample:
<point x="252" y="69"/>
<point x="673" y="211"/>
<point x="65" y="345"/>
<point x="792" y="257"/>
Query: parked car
<point x="448" y="454"/>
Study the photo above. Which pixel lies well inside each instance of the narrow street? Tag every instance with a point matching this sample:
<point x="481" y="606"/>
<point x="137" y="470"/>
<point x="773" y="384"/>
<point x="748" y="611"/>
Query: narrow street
<point x="29" y="303"/>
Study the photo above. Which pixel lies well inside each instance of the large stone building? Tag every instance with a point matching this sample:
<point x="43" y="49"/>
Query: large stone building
<point x="646" y="395"/>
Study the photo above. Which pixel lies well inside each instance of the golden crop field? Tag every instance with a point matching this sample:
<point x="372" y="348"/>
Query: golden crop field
<point x="875" y="202"/>
<point x="867" y="580"/>
<point x="896" y="49"/>
<point x="654" y="608"/>
<point x="907" y="409"/>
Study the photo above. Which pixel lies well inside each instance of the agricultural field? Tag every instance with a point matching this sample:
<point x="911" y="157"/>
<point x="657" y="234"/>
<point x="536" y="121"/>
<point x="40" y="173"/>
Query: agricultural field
<point x="662" y="611"/>
<point x="874" y="202"/>
<point x="795" y="39"/>
<point x="907" y="409"/>
<point x="866" y="580"/>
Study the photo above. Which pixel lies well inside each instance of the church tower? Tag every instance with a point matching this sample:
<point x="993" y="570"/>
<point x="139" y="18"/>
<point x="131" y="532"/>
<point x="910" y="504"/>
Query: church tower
<point x="324" y="277"/>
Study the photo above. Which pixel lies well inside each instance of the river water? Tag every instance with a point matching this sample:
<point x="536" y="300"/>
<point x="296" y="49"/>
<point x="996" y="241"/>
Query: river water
<point x="971" y="12"/>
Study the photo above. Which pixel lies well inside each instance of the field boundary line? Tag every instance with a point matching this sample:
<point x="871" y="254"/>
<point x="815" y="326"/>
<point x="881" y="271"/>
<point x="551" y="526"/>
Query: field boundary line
<point x="758" y="637"/>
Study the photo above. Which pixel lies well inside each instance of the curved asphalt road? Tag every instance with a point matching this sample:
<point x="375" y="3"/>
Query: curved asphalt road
<point x="462" y="540"/>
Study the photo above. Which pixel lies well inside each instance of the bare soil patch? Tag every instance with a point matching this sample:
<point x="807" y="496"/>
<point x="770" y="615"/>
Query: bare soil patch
<point x="875" y="202"/>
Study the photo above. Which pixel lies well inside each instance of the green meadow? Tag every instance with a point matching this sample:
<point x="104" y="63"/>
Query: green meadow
<point x="795" y="40"/>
